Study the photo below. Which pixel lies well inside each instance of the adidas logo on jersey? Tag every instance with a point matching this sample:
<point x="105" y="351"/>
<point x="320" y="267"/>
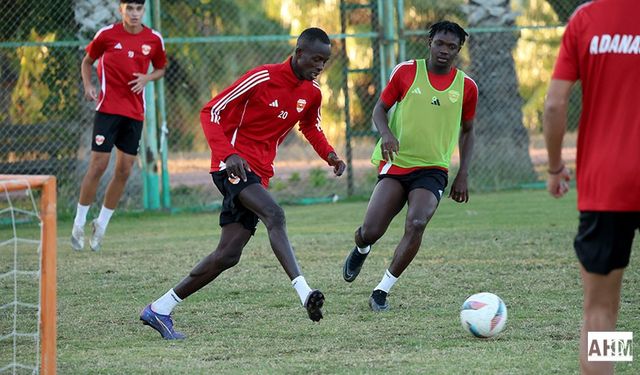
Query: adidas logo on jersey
<point x="118" y="46"/>
<point x="416" y="91"/>
<point x="274" y="103"/>
<point x="435" y="101"/>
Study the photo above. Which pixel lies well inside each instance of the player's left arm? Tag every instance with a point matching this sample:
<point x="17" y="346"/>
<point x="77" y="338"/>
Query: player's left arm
<point x="312" y="131"/>
<point x="159" y="61"/>
<point x="460" y="187"/>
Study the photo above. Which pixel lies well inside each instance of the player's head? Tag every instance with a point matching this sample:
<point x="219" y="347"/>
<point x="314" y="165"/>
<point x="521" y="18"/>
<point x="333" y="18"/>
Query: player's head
<point x="445" y="40"/>
<point x="132" y="12"/>
<point x="313" y="50"/>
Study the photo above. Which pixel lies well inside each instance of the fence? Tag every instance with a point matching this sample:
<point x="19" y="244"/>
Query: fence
<point x="45" y="125"/>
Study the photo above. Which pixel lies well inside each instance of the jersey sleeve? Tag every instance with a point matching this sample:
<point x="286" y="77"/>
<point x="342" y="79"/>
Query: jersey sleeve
<point x="470" y="100"/>
<point x="98" y="45"/>
<point x="312" y="131"/>
<point x="234" y="95"/>
<point x="566" y="67"/>
<point x="159" y="59"/>
<point x="397" y="86"/>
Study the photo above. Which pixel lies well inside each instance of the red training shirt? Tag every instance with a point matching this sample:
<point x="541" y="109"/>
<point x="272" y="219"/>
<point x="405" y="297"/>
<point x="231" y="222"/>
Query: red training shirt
<point x="601" y="48"/>
<point x="402" y="78"/>
<point x="254" y="115"/>
<point x="120" y="54"/>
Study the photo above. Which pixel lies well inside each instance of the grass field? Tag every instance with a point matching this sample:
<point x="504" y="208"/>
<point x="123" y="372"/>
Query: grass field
<point x="515" y="244"/>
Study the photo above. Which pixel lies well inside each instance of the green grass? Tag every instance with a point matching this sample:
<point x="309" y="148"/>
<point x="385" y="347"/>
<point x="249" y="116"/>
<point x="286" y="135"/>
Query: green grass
<point x="515" y="244"/>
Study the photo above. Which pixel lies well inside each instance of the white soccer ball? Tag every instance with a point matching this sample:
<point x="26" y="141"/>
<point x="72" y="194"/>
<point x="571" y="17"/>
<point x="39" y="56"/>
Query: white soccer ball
<point x="483" y="315"/>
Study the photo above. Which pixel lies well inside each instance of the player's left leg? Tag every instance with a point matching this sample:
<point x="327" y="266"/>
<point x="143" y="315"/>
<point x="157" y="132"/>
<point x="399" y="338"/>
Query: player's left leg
<point x="601" y="304"/>
<point x="257" y="199"/>
<point x="422" y="204"/>
<point x="124" y="164"/>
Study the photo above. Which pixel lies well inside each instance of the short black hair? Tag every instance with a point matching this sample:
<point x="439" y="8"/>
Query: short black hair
<point x="448" y="27"/>
<point x="141" y="2"/>
<point x="313" y="33"/>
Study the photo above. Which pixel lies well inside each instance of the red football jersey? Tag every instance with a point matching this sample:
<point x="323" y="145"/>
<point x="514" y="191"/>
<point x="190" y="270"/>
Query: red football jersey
<point x="119" y="55"/>
<point x="601" y="48"/>
<point x="254" y="115"/>
<point x="402" y="78"/>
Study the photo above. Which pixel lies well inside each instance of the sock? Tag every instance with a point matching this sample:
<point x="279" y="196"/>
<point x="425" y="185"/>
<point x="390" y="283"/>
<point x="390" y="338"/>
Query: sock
<point x="301" y="286"/>
<point x="387" y="282"/>
<point x="81" y="215"/>
<point x="104" y="217"/>
<point x="165" y="304"/>
<point x="364" y="250"/>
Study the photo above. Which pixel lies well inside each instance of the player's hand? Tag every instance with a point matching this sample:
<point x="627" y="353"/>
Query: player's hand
<point x="237" y="167"/>
<point x="558" y="184"/>
<point x="338" y="165"/>
<point x="90" y="93"/>
<point x="459" y="190"/>
<point x="389" y="146"/>
<point x="138" y="84"/>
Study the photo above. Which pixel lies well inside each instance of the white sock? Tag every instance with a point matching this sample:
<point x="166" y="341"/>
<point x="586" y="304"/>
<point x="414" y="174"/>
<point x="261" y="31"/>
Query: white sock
<point x="81" y="215"/>
<point x="165" y="304"/>
<point x="301" y="286"/>
<point x="387" y="282"/>
<point x="364" y="250"/>
<point x="104" y="217"/>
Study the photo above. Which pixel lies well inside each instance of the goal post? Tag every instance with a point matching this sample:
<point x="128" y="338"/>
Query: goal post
<point x="48" y="281"/>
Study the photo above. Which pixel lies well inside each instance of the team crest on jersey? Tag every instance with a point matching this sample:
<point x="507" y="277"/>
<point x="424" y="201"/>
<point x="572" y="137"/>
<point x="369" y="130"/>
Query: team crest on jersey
<point x="99" y="139"/>
<point x="300" y="105"/>
<point x="454" y="95"/>
<point x="146" y="49"/>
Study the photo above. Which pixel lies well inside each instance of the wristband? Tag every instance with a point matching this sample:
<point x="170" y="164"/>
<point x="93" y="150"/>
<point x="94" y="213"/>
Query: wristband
<point x="558" y="171"/>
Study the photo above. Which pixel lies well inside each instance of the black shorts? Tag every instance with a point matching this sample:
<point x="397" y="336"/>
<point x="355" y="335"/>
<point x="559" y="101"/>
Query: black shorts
<point x="432" y="179"/>
<point x="604" y="239"/>
<point x="232" y="210"/>
<point x="109" y="130"/>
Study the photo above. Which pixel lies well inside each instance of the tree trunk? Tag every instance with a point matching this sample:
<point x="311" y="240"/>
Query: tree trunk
<point x="564" y="8"/>
<point x="501" y="156"/>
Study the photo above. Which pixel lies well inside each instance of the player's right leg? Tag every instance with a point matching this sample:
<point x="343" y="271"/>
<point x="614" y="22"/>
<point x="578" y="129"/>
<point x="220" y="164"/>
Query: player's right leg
<point x="97" y="165"/>
<point x="386" y="201"/>
<point x="157" y="315"/>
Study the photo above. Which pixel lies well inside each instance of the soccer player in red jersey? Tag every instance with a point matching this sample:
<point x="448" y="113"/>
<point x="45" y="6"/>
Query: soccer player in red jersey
<point x="244" y="125"/>
<point x="124" y="51"/>
<point x="601" y="49"/>
<point x="435" y="106"/>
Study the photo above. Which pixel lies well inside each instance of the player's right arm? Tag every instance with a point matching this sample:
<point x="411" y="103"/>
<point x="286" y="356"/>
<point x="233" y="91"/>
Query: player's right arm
<point x="389" y="144"/>
<point x="85" y="69"/>
<point x="95" y="49"/>
<point x="213" y="117"/>
<point x="554" y="123"/>
<point x="392" y="93"/>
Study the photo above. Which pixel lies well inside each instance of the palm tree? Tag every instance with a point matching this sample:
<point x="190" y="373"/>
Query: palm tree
<point x="502" y="144"/>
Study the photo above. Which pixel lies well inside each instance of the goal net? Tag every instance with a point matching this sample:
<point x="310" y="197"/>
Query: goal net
<point x="27" y="274"/>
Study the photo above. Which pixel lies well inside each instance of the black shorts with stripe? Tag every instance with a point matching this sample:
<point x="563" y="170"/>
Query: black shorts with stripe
<point x="232" y="210"/>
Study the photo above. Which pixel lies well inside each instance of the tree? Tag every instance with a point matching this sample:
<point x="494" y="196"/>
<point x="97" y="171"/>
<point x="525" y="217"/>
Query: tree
<point x="502" y="143"/>
<point x="564" y="8"/>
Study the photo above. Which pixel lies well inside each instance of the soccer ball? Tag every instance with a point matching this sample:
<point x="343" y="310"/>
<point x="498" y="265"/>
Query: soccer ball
<point x="483" y="315"/>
